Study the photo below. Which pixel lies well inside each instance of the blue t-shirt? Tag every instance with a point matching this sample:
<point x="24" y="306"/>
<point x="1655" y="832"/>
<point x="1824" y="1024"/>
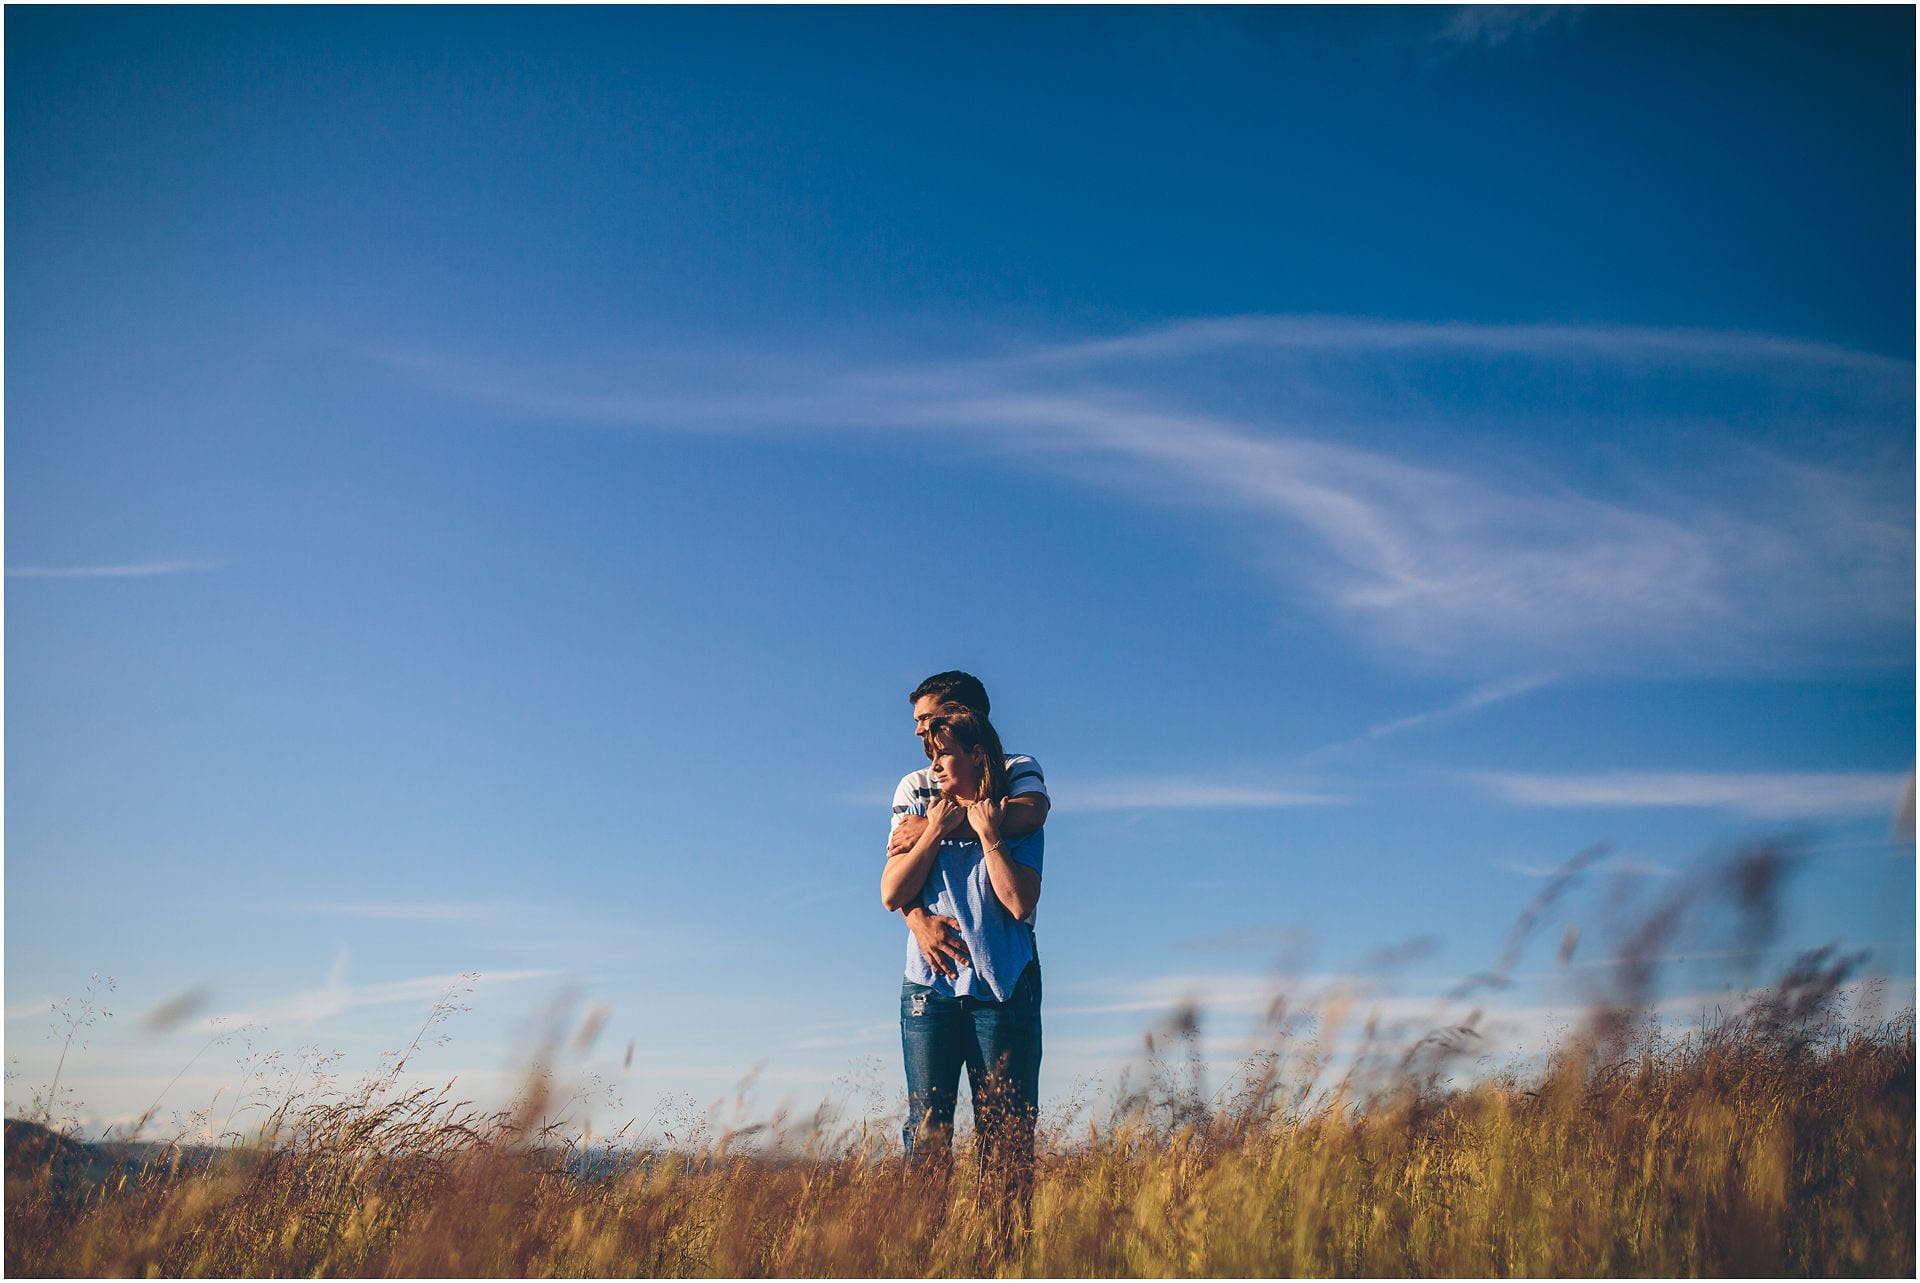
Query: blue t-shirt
<point x="1000" y="944"/>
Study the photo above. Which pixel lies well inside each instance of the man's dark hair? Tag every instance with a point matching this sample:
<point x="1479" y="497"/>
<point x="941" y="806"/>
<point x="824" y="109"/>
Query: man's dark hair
<point x="956" y="686"/>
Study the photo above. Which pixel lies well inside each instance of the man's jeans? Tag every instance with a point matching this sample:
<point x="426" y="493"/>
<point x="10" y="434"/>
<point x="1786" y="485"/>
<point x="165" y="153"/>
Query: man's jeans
<point x="999" y="1043"/>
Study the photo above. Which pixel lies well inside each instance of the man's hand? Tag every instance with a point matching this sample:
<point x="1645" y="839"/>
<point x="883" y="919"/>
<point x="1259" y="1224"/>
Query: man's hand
<point x="939" y="941"/>
<point x="945" y="814"/>
<point x="1019" y="816"/>
<point x="905" y="834"/>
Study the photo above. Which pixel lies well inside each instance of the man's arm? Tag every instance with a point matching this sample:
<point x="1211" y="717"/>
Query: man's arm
<point x="938" y="938"/>
<point x="1026" y="810"/>
<point x="905" y="834"/>
<point x="1024" y="814"/>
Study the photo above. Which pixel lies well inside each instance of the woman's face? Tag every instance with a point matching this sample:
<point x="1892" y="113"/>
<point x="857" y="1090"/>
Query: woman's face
<point x="956" y="770"/>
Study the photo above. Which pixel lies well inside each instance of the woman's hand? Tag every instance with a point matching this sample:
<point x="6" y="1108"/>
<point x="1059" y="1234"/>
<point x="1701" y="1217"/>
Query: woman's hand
<point x="944" y="815"/>
<point x="985" y="816"/>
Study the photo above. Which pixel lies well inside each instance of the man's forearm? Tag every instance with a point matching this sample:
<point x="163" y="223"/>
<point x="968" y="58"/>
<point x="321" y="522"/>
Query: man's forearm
<point x="1024" y="814"/>
<point x="905" y="834"/>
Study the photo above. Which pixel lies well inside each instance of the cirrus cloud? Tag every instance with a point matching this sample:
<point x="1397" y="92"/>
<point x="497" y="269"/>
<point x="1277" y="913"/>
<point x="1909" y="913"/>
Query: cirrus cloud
<point x="1768" y="795"/>
<point x="1477" y="499"/>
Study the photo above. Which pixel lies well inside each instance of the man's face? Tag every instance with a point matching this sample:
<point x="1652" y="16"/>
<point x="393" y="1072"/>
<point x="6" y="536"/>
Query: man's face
<point x="923" y="710"/>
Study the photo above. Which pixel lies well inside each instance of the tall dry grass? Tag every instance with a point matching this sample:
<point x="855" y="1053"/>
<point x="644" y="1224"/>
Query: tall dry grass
<point x="1775" y="1141"/>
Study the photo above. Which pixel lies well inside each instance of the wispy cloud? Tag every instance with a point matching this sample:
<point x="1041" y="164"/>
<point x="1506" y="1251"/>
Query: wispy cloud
<point x="1634" y="865"/>
<point x="1347" y="1014"/>
<point x="1273" y="427"/>
<point x="406" y="910"/>
<point x="1337" y="1008"/>
<point x="1492" y="26"/>
<point x="335" y="996"/>
<point x="1221" y="993"/>
<point x="1270" y="937"/>
<point x="126" y="570"/>
<point x="1158" y="794"/>
<point x="845" y="1035"/>
<point x="1474" y="700"/>
<point x="1768" y="795"/>
<point x="1644" y="346"/>
<point x="30" y="1008"/>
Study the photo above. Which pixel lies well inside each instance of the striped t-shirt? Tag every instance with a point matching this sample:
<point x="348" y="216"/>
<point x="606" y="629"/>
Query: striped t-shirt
<point x="916" y="789"/>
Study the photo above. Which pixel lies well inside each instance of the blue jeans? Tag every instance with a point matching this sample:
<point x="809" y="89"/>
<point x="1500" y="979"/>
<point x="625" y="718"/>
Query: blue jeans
<point x="999" y="1044"/>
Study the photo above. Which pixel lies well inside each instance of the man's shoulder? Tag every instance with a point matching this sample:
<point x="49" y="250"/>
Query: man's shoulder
<point x="1025" y="775"/>
<point x="916" y="784"/>
<point x="912" y="794"/>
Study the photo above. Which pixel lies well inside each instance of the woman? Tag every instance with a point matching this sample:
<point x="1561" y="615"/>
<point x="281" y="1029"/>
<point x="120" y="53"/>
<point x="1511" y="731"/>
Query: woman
<point x="986" y="1017"/>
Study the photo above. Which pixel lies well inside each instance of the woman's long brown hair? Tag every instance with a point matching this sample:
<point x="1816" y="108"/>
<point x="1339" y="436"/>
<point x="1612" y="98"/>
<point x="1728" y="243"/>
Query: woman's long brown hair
<point x="970" y="730"/>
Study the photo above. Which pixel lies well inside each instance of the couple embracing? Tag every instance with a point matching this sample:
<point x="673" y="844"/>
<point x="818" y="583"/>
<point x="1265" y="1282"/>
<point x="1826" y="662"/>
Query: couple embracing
<point x="963" y="865"/>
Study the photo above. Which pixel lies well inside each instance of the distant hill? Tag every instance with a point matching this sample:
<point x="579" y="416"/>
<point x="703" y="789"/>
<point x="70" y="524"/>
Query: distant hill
<point x="78" y="1165"/>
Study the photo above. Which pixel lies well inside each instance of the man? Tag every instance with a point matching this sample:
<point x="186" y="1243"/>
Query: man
<point x="1026" y="810"/>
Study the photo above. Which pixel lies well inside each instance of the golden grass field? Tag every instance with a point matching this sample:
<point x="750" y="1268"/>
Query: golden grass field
<point x="1775" y="1141"/>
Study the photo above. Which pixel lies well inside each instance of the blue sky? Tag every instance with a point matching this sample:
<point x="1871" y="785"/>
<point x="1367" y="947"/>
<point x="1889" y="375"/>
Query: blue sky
<point x="481" y="485"/>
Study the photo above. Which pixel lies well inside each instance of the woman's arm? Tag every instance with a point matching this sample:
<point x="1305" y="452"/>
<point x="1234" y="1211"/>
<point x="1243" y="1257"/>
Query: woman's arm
<point x="903" y="875"/>
<point x="1024" y="814"/>
<point x="1017" y="886"/>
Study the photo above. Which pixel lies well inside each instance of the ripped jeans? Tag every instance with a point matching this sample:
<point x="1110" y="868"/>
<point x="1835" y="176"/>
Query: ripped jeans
<point x="999" y="1045"/>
